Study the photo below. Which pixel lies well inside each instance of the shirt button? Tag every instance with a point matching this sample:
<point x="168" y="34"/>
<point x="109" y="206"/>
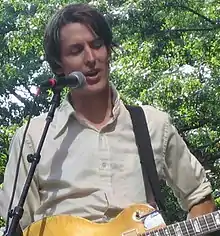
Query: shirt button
<point x="104" y="165"/>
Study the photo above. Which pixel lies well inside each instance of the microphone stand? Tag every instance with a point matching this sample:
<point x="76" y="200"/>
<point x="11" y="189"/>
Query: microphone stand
<point x="34" y="159"/>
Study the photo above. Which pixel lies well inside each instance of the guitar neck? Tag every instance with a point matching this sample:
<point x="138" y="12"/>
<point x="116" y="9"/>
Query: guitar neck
<point x="196" y="226"/>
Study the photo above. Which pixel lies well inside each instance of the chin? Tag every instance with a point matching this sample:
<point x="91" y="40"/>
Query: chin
<point x="96" y="88"/>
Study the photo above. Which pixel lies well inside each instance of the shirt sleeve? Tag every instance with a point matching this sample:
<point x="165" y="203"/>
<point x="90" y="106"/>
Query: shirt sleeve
<point x="183" y="172"/>
<point x="33" y="199"/>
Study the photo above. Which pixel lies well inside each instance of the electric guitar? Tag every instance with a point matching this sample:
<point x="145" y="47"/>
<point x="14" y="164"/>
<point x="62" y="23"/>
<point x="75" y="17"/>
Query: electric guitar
<point x="136" y="220"/>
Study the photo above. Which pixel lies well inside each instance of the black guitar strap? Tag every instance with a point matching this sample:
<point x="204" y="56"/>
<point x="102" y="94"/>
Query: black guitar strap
<point x="149" y="171"/>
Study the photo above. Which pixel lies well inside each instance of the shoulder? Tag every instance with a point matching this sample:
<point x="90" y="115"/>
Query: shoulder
<point x="29" y="130"/>
<point x="156" y="119"/>
<point x="36" y="124"/>
<point x="157" y="122"/>
<point x="38" y="121"/>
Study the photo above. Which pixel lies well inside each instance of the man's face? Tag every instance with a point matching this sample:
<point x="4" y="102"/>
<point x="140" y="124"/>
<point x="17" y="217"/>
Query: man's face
<point x="82" y="50"/>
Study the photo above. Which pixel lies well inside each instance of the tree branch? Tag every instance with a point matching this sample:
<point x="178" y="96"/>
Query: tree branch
<point x="192" y="29"/>
<point x="209" y="144"/>
<point x="191" y="10"/>
<point x="183" y="30"/>
<point x="27" y="88"/>
<point x="185" y="129"/>
<point x="20" y="98"/>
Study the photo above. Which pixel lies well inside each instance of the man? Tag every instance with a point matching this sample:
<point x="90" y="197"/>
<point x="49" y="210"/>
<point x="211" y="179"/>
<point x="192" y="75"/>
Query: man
<point x="89" y="163"/>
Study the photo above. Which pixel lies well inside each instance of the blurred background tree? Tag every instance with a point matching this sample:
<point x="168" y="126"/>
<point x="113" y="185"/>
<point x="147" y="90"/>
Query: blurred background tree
<point x="168" y="57"/>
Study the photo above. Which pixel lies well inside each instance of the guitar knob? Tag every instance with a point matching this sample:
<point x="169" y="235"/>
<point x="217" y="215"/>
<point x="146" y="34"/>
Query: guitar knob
<point x="137" y="215"/>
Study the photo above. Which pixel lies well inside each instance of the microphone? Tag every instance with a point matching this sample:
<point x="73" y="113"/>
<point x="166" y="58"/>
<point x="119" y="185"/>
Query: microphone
<point x="74" y="80"/>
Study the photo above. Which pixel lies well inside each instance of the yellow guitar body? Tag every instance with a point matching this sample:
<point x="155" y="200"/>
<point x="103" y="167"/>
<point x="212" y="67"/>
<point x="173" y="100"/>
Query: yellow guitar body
<point x="125" y="224"/>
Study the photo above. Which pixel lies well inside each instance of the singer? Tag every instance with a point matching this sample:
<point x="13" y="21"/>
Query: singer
<point x="90" y="164"/>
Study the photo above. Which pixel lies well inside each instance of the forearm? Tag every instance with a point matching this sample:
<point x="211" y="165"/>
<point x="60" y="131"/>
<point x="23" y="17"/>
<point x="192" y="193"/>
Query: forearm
<point x="205" y="206"/>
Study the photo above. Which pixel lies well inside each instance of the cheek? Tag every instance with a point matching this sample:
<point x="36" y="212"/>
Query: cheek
<point x="72" y="63"/>
<point x="104" y="61"/>
<point x="104" y="56"/>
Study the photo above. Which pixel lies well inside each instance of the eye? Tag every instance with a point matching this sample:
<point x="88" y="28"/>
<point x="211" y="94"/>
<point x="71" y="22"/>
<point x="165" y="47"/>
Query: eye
<point x="97" y="43"/>
<point x="75" y="49"/>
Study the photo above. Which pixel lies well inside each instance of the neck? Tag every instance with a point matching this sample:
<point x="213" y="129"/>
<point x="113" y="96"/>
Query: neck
<point x="95" y="108"/>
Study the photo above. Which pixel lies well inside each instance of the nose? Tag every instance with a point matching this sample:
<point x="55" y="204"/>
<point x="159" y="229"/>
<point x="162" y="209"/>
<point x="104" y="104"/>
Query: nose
<point x="89" y="57"/>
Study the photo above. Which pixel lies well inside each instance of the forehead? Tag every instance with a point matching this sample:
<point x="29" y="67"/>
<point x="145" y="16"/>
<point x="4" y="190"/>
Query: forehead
<point x="76" y="33"/>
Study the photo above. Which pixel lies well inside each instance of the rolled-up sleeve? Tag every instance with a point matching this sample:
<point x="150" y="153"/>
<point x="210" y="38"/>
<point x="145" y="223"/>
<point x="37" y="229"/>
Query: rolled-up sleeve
<point x="183" y="172"/>
<point x="32" y="200"/>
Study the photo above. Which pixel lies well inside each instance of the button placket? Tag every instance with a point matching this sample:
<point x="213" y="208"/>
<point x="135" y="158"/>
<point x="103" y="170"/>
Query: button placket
<point x="105" y="165"/>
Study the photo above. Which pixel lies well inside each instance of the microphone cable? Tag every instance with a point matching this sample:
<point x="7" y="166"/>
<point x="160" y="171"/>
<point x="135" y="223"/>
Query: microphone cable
<point x="10" y="212"/>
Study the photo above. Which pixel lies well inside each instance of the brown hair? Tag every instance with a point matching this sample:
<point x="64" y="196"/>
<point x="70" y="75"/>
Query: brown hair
<point x="73" y="13"/>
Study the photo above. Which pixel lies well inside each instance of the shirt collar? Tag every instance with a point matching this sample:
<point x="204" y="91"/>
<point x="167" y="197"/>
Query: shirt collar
<point x="116" y="101"/>
<point x="66" y="110"/>
<point x="63" y="113"/>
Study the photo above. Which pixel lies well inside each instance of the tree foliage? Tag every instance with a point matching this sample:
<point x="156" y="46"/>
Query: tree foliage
<point x="168" y="56"/>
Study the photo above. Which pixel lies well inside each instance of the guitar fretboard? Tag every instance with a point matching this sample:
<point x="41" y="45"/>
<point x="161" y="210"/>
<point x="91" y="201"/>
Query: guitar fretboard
<point x="193" y="227"/>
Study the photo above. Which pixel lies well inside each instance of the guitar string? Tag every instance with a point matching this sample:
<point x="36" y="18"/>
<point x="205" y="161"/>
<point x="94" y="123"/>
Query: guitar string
<point x="190" y="231"/>
<point x="193" y="230"/>
<point x="209" y="226"/>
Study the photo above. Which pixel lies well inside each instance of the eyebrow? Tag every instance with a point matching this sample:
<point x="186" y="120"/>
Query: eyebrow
<point x="76" y="44"/>
<point x="73" y="45"/>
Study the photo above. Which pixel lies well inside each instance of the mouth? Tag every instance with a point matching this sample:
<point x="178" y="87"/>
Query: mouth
<point x="92" y="73"/>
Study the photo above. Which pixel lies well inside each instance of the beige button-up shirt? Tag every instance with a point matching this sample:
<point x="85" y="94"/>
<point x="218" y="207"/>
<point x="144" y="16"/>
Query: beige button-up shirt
<point x="95" y="174"/>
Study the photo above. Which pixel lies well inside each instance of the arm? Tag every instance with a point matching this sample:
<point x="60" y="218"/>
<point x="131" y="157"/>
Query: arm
<point x="185" y="175"/>
<point x="32" y="200"/>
